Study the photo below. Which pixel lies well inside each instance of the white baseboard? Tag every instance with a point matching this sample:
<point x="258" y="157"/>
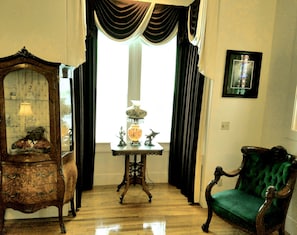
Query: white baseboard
<point x="51" y="211"/>
<point x="291" y="225"/>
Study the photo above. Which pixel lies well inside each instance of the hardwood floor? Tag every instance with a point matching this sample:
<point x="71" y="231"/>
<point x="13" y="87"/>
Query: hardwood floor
<point x="102" y="214"/>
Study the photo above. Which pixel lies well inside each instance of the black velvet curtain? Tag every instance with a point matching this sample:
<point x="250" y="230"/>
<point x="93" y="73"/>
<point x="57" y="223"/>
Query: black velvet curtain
<point x="186" y="114"/>
<point x="85" y="109"/>
<point x="79" y="129"/>
<point x="90" y="78"/>
<point x="120" y="19"/>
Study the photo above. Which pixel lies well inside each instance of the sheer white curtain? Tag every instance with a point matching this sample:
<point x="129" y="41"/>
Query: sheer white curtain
<point x="112" y="88"/>
<point x="139" y="71"/>
<point x="157" y="86"/>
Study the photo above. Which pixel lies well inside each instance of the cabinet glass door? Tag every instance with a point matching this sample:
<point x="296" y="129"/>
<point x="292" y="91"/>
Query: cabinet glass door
<point x="27" y="112"/>
<point x="66" y="114"/>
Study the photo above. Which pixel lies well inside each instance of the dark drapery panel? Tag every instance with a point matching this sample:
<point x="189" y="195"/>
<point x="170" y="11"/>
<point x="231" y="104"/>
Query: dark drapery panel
<point x="120" y="19"/>
<point x="78" y="82"/>
<point x="85" y="110"/>
<point x="162" y="22"/>
<point x="194" y="11"/>
<point x="89" y="113"/>
<point x="186" y="114"/>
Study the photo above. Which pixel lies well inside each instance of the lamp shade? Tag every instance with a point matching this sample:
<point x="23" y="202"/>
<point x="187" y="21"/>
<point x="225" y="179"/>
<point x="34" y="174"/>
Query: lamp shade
<point x="134" y="112"/>
<point x="25" y="109"/>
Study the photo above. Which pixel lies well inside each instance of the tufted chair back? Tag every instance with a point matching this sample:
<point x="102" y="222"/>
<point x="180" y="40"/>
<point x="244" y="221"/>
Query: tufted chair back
<point x="263" y="168"/>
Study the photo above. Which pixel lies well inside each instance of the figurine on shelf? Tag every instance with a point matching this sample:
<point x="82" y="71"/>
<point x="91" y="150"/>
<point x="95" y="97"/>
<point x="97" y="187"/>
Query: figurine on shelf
<point x="150" y="137"/>
<point x="122" y="133"/>
<point x="34" y="141"/>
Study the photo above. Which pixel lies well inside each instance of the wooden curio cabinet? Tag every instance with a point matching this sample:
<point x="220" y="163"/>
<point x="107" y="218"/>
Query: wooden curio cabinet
<point x="37" y="163"/>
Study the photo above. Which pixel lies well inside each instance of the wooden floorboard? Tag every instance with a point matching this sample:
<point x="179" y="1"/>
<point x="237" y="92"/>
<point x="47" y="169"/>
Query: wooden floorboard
<point x="102" y="214"/>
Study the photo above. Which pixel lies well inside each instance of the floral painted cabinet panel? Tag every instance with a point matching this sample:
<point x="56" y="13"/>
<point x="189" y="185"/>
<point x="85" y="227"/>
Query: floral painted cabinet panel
<point x="29" y="184"/>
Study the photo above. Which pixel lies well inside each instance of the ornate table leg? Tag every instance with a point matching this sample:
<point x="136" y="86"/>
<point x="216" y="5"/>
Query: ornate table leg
<point x="143" y="182"/>
<point x="125" y="175"/>
<point x="122" y="183"/>
<point x="2" y="218"/>
<point x="62" y="225"/>
<point x="127" y="178"/>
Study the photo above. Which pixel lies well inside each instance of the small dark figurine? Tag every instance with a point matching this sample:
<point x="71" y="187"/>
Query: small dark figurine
<point x="150" y="137"/>
<point x="36" y="134"/>
<point x="122" y="133"/>
<point x="34" y="141"/>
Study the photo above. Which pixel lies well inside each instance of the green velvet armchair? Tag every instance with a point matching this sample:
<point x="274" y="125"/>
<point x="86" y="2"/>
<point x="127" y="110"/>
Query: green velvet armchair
<point x="259" y="202"/>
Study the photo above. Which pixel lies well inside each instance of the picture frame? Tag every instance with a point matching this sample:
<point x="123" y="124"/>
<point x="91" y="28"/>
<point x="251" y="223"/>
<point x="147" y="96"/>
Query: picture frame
<point x="242" y="74"/>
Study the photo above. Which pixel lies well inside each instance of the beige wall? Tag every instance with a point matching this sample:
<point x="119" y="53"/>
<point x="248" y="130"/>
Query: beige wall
<point x="247" y="27"/>
<point x="53" y="30"/>
<point x="281" y="90"/>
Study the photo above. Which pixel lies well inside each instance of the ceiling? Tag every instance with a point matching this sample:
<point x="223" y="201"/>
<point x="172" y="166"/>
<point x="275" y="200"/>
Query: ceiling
<point x="170" y="2"/>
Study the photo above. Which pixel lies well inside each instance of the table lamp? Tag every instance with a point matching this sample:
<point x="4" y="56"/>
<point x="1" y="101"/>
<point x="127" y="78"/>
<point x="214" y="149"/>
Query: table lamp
<point x="25" y="111"/>
<point x="135" y="116"/>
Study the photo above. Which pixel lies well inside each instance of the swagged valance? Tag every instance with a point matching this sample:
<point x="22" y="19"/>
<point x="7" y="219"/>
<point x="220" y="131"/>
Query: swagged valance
<point x="155" y="23"/>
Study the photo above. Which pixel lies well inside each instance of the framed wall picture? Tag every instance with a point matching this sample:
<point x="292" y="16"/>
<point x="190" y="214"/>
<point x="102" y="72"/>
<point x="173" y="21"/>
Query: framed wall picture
<point x="242" y="74"/>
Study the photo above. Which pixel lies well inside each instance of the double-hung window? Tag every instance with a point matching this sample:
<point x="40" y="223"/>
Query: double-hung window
<point x="134" y="70"/>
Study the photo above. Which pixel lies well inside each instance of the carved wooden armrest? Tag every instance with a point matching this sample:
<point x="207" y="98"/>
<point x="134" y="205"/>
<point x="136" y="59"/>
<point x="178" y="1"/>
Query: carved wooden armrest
<point x="272" y="193"/>
<point x="285" y="192"/>
<point x="217" y="175"/>
<point x="269" y="196"/>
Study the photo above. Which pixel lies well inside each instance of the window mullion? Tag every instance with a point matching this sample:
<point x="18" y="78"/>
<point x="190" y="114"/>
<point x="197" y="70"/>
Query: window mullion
<point x="134" y="80"/>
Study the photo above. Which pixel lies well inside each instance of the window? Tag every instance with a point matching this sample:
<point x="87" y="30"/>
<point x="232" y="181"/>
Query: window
<point x="134" y="71"/>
